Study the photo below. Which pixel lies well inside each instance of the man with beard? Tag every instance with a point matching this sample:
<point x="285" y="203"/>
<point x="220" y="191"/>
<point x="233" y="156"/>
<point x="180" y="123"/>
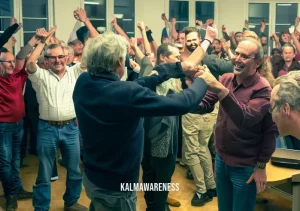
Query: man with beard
<point x="196" y="130"/>
<point x="245" y="134"/>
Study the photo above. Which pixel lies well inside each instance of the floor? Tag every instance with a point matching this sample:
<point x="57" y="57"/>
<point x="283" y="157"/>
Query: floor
<point x="184" y="195"/>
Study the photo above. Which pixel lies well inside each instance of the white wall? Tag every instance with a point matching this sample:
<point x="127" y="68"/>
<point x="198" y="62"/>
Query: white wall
<point x="63" y="17"/>
<point x="150" y="12"/>
<point x="231" y="13"/>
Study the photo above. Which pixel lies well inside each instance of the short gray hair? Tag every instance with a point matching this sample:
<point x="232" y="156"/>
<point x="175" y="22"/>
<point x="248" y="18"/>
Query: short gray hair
<point x="288" y="92"/>
<point x="103" y="52"/>
<point x="69" y="49"/>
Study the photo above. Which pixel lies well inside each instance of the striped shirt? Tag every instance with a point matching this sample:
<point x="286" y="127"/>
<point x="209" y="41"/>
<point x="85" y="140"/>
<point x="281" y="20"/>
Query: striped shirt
<point x="54" y="94"/>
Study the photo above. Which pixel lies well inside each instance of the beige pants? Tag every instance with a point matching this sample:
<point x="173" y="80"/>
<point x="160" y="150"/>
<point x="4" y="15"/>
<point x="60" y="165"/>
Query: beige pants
<point x="196" y="130"/>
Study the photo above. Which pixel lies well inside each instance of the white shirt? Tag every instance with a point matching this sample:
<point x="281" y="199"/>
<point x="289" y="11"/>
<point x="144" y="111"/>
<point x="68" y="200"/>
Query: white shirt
<point x="54" y="94"/>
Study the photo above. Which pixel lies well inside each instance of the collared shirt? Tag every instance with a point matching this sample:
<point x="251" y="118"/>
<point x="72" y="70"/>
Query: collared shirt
<point x="245" y="133"/>
<point x="12" y="108"/>
<point x="54" y="94"/>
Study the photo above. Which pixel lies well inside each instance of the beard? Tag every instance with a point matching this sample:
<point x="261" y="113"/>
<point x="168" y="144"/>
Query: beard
<point x="190" y="48"/>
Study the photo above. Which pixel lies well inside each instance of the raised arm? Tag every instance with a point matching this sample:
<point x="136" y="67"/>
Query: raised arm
<point x="152" y="42"/>
<point x="276" y="39"/>
<point x="147" y="47"/>
<point x="8" y="33"/>
<point x="46" y="36"/>
<point x="295" y="40"/>
<point x="262" y="28"/>
<point x="138" y="53"/>
<point x="80" y="15"/>
<point x="21" y="56"/>
<point x="118" y="28"/>
<point x="173" y="29"/>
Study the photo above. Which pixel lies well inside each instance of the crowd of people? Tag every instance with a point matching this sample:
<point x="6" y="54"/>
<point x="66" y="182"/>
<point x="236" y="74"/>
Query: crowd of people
<point x="215" y="104"/>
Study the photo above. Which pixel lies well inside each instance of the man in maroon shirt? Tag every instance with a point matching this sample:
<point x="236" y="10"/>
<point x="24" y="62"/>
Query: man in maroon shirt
<point x="245" y="134"/>
<point x="12" y="111"/>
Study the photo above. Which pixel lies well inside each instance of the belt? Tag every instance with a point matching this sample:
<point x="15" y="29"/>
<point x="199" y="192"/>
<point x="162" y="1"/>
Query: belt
<point x="59" y="123"/>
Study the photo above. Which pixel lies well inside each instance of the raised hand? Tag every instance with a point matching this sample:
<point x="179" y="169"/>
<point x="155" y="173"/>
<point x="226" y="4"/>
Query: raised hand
<point x="49" y="36"/>
<point x="134" y="65"/>
<point x="223" y="28"/>
<point x="297" y="20"/>
<point x="292" y="29"/>
<point x="246" y="24"/>
<point x="199" y="23"/>
<point x="275" y="37"/>
<point x="164" y="17"/>
<point x="141" y="25"/>
<point x="133" y="43"/>
<point x="173" y="21"/>
<point x="226" y="45"/>
<point x="209" y="22"/>
<point x="13" y="20"/>
<point x="80" y="15"/>
<point x="41" y="33"/>
<point x="211" y="32"/>
<point x="231" y="34"/>
<point x="113" y="23"/>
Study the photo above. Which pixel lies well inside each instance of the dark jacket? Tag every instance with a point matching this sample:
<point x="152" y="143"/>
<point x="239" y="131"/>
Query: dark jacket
<point x="109" y="114"/>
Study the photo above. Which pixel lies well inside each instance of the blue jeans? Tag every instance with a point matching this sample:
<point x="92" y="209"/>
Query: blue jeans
<point x="50" y="138"/>
<point x="11" y="134"/>
<point x="233" y="192"/>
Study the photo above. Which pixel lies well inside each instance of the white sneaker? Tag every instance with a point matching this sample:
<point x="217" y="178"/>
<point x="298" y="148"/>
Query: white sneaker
<point x="182" y="164"/>
<point x="54" y="178"/>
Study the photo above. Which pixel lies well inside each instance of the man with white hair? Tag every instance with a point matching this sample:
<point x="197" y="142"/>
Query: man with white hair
<point x="285" y="106"/>
<point x="109" y="114"/>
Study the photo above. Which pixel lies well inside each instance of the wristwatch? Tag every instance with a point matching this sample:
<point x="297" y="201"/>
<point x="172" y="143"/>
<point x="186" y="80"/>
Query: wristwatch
<point x="261" y="165"/>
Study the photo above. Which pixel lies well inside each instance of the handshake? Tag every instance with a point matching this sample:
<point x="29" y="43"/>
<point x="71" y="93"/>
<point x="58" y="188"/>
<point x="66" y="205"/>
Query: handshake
<point x="203" y="72"/>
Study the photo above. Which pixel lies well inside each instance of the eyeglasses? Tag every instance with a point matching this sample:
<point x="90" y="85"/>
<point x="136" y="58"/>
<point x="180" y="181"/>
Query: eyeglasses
<point x="243" y="57"/>
<point x="53" y="58"/>
<point x="271" y="109"/>
<point x="12" y="62"/>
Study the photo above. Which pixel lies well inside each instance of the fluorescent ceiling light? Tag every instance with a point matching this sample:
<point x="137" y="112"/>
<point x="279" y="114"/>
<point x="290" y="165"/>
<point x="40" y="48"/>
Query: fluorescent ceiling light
<point x="251" y="26"/>
<point x="119" y="16"/>
<point x="284" y="5"/>
<point x="91" y="2"/>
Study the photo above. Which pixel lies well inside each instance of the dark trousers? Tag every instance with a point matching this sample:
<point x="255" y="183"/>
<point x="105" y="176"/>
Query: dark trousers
<point x="157" y="170"/>
<point x="179" y="152"/>
<point x="31" y="122"/>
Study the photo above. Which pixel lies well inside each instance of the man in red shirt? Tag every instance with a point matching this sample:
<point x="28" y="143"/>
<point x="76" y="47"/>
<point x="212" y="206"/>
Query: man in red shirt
<point x="12" y="111"/>
<point x="245" y="134"/>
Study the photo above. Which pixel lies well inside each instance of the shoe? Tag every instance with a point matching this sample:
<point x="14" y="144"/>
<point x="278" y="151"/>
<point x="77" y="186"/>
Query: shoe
<point x="173" y="202"/>
<point x="53" y="179"/>
<point x="76" y="207"/>
<point x="23" y="194"/>
<point x="200" y="199"/>
<point x="212" y="192"/>
<point x="182" y="164"/>
<point x="11" y="203"/>
<point x="189" y="175"/>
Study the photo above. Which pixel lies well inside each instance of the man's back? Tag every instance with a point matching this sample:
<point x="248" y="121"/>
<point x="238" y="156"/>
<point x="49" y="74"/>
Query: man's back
<point x="110" y="110"/>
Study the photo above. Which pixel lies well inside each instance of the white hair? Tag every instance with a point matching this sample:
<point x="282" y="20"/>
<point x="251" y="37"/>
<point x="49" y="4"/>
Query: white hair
<point x="103" y="52"/>
<point x="289" y="92"/>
